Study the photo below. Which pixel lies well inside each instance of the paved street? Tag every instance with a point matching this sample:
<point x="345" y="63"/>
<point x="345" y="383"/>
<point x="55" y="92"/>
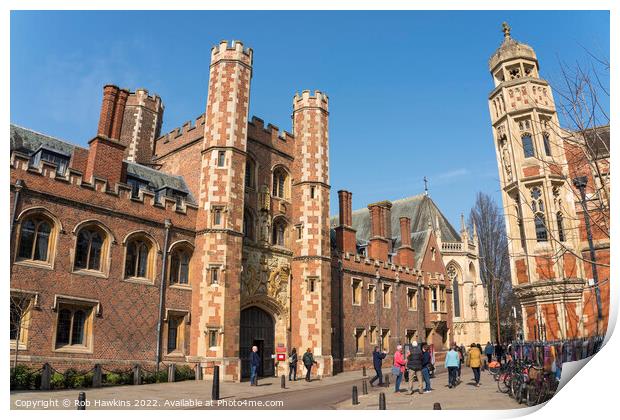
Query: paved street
<point x="326" y="393"/>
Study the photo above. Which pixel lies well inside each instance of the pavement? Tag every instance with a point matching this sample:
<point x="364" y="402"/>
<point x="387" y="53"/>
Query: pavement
<point x="332" y="392"/>
<point x="466" y="396"/>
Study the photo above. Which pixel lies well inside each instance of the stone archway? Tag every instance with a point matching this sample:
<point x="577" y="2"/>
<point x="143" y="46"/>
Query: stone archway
<point x="257" y="328"/>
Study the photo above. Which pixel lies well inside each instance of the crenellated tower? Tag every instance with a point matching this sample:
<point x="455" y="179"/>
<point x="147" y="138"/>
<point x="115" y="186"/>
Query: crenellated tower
<point x="142" y="122"/>
<point x="219" y="226"/>
<point x="311" y="289"/>
<point x="538" y="202"/>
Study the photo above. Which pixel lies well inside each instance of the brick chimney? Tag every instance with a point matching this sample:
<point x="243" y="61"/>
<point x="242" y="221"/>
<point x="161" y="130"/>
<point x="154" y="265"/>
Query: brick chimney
<point x="105" y="153"/>
<point x="345" y="234"/>
<point x="379" y="243"/>
<point x="406" y="254"/>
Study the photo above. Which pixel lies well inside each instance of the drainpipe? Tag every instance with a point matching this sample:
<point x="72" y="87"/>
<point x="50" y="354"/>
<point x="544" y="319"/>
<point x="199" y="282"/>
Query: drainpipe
<point x="19" y="184"/>
<point x="162" y="288"/>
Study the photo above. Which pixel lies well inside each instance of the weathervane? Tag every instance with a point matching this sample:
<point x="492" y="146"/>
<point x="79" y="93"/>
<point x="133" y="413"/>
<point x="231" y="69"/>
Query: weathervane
<point x="425" y="186"/>
<point x="506" y="29"/>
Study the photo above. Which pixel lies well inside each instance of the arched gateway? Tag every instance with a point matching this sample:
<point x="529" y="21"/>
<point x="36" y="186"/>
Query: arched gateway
<point x="257" y="329"/>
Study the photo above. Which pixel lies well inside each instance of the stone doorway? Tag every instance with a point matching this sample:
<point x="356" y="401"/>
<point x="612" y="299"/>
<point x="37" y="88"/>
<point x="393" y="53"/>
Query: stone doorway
<point x="256" y="329"/>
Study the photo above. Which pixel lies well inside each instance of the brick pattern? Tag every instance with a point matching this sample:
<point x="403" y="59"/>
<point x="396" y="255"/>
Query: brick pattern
<point x="141" y="123"/>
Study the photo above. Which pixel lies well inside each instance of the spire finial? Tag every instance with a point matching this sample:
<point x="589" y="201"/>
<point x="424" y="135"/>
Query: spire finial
<point x="506" y="29"/>
<point x="425" y="186"/>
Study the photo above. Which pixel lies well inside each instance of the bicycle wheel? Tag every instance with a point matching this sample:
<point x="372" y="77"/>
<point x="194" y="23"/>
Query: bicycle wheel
<point x="532" y="395"/>
<point x="503" y="384"/>
<point x="520" y="392"/>
<point x="514" y="386"/>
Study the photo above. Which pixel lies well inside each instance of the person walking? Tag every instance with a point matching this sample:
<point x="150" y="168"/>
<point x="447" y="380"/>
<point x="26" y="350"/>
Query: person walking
<point x="474" y="356"/>
<point x="488" y="351"/>
<point x="399" y="368"/>
<point x="414" y="365"/>
<point x="426" y="368"/>
<point x="499" y="353"/>
<point x="377" y="361"/>
<point x="254" y="365"/>
<point x="292" y="365"/>
<point x="308" y="360"/>
<point x="452" y="362"/>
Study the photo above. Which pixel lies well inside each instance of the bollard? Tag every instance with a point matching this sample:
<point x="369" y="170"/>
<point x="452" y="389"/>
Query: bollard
<point x="215" y="391"/>
<point x="354" y="396"/>
<point x="282" y="382"/>
<point x="82" y="401"/>
<point x="436" y="406"/>
<point x="198" y="372"/>
<point x="137" y="375"/>
<point x="387" y="380"/>
<point x="382" y="401"/>
<point x="364" y="387"/>
<point x="46" y="375"/>
<point x="172" y="368"/>
<point x="97" y="376"/>
<point x="364" y="371"/>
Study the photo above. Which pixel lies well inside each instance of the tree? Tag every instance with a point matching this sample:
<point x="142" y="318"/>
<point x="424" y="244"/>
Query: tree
<point x="488" y="219"/>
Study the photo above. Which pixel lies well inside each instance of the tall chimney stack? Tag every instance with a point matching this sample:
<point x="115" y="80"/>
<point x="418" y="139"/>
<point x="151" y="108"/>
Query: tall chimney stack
<point x="379" y="243"/>
<point x="345" y="234"/>
<point x="406" y="254"/>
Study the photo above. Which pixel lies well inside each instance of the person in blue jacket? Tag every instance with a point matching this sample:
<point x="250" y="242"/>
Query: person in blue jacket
<point x="377" y="360"/>
<point x="254" y="364"/>
<point x="452" y="363"/>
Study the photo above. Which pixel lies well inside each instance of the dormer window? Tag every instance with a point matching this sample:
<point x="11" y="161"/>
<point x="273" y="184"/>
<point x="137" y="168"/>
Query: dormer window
<point x="136" y="185"/>
<point x="176" y="195"/>
<point x="59" y="159"/>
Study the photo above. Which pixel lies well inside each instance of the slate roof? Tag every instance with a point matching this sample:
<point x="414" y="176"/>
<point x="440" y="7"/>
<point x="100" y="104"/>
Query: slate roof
<point x="28" y="141"/>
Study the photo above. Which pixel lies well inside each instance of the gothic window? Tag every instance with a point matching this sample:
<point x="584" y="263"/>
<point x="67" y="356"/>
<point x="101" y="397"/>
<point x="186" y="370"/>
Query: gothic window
<point x="547" y="144"/>
<point x="537" y="201"/>
<point x="528" y="146"/>
<point x="73" y="326"/>
<point x="250" y="169"/>
<point x="35" y="241"/>
<point x="372" y="334"/>
<point x="138" y="259"/>
<point x="412" y="299"/>
<point x="89" y="249"/>
<point x="456" y="293"/>
<point x="385" y="340"/>
<point x="179" y="265"/>
<point x="371" y="293"/>
<point x="278" y="236"/>
<point x="560" y="219"/>
<point x="359" y="340"/>
<point x="442" y="298"/>
<point x="387" y="296"/>
<point x="541" y="229"/>
<point x="248" y="225"/>
<point x="280" y="181"/>
<point x="356" y="290"/>
<point x="221" y="159"/>
<point x="434" y="299"/>
<point x="514" y="72"/>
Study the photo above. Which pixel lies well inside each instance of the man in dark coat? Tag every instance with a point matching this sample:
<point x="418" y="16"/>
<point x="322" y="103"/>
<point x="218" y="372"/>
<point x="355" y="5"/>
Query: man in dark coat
<point x="254" y="364"/>
<point x="414" y="364"/>
<point x="308" y="360"/>
<point x="377" y="360"/>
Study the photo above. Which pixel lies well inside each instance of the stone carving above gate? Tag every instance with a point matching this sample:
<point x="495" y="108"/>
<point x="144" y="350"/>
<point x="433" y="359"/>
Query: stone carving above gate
<point x="266" y="279"/>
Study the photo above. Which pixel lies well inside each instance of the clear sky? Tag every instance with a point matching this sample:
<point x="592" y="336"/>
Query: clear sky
<point x="408" y="90"/>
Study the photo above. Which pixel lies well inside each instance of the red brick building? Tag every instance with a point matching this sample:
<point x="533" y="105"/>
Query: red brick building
<point x="195" y="245"/>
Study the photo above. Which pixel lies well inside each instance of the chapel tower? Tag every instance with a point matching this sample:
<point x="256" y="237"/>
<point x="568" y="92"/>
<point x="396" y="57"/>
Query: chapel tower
<point x="311" y="288"/>
<point x="538" y="202"/>
<point x="219" y="225"/>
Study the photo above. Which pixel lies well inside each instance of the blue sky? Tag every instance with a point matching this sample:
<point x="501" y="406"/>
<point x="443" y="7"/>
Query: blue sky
<point x="407" y="89"/>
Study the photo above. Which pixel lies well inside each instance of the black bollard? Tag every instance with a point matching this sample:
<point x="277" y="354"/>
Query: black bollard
<point x="436" y="406"/>
<point x="282" y="382"/>
<point x="364" y="371"/>
<point x="172" y="369"/>
<point x="387" y="380"/>
<point x="364" y="387"/>
<point x="82" y="401"/>
<point x="198" y="372"/>
<point x="382" y="401"/>
<point x="137" y="375"/>
<point x="354" y="396"/>
<point x="215" y="391"/>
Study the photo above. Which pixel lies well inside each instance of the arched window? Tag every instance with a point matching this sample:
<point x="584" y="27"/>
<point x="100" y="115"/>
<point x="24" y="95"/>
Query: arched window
<point x="89" y="249"/>
<point x="35" y="238"/>
<point x="248" y="225"/>
<point x="280" y="181"/>
<point x="250" y="168"/>
<point x="528" y="145"/>
<point x="560" y="219"/>
<point x="179" y="265"/>
<point x="138" y="258"/>
<point x="541" y="228"/>
<point x="547" y="144"/>
<point x="279" y="232"/>
<point x="456" y="292"/>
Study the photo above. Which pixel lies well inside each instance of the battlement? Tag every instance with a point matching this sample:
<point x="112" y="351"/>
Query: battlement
<point x="271" y="135"/>
<point x="306" y="100"/>
<point x="386" y="269"/>
<point x="232" y="51"/>
<point x="180" y="136"/>
<point x="142" y="97"/>
<point x="97" y="191"/>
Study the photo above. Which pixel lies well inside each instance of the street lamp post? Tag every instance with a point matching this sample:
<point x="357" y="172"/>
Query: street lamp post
<point x="580" y="183"/>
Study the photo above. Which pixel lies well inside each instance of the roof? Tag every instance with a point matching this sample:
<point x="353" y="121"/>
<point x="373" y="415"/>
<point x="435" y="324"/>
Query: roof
<point x="511" y="48"/>
<point x="28" y="141"/>
<point x="598" y="139"/>
<point x="422" y="211"/>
